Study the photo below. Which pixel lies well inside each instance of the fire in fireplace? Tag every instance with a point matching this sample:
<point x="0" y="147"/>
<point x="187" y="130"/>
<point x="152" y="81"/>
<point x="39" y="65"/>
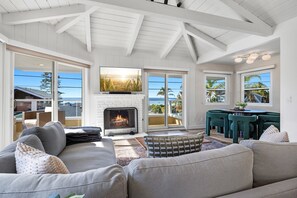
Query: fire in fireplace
<point x="120" y="120"/>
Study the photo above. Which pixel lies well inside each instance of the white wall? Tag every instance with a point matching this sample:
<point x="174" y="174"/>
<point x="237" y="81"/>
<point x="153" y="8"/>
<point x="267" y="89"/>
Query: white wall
<point x="201" y="106"/>
<point x="117" y="58"/>
<point x="275" y="60"/>
<point x="288" y="77"/>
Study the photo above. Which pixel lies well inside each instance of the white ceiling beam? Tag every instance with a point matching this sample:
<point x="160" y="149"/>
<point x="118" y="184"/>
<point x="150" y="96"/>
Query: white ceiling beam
<point x="182" y="15"/>
<point x="172" y="43"/>
<point x="17" y="18"/>
<point x="88" y="32"/>
<point x="246" y="14"/>
<point x="189" y="43"/>
<point x="67" y="23"/>
<point x="135" y="34"/>
<point x="201" y="35"/>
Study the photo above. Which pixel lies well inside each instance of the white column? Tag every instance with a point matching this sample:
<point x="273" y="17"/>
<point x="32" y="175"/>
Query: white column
<point x="6" y="101"/>
<point x="55" y="96"/>
<point x="2" y="134"/>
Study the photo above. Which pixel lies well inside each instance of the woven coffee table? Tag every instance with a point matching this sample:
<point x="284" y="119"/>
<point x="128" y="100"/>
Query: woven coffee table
<point x="173" y="145"/>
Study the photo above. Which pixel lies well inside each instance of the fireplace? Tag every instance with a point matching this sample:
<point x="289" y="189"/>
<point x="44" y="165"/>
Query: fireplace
<point x="120" y="120"/>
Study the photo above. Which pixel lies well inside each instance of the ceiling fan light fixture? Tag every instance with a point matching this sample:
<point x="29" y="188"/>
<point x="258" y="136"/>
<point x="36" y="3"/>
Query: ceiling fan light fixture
<point x="238" y="60"/>
<point x="253" y="56"/>
<point x="250" y="61"/>
<point x="266" y="57"/>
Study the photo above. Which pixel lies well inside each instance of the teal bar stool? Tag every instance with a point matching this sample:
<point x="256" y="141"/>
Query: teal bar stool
<point x="246" y="124"/>
<point x="219" y="120"/>
<point x="265" y="121"/>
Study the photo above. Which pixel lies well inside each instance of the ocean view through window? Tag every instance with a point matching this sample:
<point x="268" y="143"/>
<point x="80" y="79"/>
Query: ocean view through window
<point x="33" y="91"/>
<point x="165" y="94"/>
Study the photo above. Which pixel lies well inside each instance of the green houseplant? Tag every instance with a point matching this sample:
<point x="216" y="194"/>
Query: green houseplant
<point x="240" y="105"/>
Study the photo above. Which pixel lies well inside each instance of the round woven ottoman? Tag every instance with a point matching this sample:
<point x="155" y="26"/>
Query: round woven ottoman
<point x="171" y="146"/>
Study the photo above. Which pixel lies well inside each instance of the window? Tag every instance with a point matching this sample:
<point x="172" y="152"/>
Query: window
<point x="216" y="88"/>
<point x="33" y="90"/>
<point x="257" y="87"/>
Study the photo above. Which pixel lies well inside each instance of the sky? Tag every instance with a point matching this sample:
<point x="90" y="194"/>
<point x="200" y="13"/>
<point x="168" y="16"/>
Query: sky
<point x="265" y="79"/>
<point x="70" y="83"/>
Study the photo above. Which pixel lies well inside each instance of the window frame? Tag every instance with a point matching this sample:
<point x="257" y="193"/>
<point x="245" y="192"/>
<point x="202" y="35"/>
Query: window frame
<point x="270" y="88"/>
<point x="227" y="95"/>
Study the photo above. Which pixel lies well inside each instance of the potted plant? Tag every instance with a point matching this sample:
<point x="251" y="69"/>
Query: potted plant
<point x="240" y="106"/>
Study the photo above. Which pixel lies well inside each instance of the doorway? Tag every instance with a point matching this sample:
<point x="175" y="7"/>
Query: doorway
<point x="165" y="100"/>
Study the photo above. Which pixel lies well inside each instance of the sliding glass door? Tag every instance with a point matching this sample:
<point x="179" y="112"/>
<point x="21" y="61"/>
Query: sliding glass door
<point x="165" y="100"/>
<point x="46" y="90"/>
<point x="70" y="94"/>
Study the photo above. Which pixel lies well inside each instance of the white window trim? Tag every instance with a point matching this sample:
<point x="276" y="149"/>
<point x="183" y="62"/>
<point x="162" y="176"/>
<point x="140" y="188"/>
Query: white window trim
<point x="227" y="85"/>
<point x="270" y="104"/>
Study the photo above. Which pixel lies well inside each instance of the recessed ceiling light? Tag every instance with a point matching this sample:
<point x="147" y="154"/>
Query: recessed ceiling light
<point x="41" y="64"/>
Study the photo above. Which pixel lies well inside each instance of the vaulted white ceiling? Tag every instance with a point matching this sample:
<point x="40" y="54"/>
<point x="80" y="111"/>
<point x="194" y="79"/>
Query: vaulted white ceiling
<point x="152" y="27"/>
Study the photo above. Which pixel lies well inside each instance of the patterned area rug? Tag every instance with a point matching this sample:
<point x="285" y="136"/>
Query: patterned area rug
<point x="130" y="149"/>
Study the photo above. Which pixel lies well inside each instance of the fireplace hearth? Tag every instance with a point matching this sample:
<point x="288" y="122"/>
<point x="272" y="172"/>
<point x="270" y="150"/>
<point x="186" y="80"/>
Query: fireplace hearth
<point x="120" y="120"/>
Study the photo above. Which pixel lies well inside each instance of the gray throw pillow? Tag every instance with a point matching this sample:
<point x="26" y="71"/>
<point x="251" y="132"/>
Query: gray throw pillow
<point x="7" y="159"/>
<point x="30" y="140"/>
<point x="7" y="163"/>
<point x="52" y="136"/>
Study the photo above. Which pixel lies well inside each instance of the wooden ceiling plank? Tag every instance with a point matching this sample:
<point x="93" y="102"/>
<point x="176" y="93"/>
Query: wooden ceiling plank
<point x="172" y="43"/>
<point x="189" y="43"/>
<point x="66" y="23"/>
<point x="246" y="14"/>
<point x="135" y="34"/>
<point x="201" y="35"/>
<point x="17" y="18"/>
<point x="181" y="15"/>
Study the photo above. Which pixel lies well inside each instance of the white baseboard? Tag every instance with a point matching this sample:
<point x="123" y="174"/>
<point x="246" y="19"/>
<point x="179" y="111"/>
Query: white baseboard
<point x="200" y="126"/>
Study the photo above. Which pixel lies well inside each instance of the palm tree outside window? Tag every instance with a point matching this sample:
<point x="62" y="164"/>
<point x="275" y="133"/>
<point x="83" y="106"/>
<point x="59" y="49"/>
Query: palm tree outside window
<point x="216" y="89"/>
<point x="257" y="87"/>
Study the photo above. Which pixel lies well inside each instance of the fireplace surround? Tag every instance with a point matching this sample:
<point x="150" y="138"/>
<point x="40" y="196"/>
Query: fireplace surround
<point x="120" y="120"/>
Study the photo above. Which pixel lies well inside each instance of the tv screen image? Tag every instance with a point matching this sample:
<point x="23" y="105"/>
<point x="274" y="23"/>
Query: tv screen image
<point x="114" y="79"/>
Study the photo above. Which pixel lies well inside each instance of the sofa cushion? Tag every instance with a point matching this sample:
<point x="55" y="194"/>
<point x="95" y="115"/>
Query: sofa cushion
<point x="33" y="161"/>
<point x="100" y="183"/>
<point x="52" y="136"/>
<point x="7" y="163"/>
<point x="273" y="162"/>
<point x="31" y="140"/>
<point x="86" y="156"/>
<point x="286" y="188"/>
<point x="7" y="159"/>
<point x="205" y="174"/>
<point x="272" y="134"/>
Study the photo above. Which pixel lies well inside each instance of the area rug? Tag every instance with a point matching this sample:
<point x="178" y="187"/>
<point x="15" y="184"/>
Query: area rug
<point x="130" y="149"/>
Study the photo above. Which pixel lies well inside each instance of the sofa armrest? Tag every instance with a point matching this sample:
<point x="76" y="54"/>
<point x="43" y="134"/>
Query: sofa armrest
<point x="100" y="183"/>
<point x="273" y="162"/>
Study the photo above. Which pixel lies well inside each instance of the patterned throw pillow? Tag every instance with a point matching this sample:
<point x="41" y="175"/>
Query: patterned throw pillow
<point x="272" y="134"/>
<point x="33" y="161"/>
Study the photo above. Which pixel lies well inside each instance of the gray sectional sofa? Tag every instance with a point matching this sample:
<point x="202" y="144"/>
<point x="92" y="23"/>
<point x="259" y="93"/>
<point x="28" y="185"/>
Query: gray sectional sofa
<point x="249" y="170"/>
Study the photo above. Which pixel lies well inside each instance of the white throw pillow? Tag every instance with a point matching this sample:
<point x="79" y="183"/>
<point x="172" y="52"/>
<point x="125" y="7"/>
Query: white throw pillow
<point x="33" y="161"/>
<point x="272" y="134"/>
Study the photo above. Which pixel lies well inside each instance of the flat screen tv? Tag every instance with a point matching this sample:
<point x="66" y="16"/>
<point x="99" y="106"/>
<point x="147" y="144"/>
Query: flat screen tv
<point x="120" y="80"/>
